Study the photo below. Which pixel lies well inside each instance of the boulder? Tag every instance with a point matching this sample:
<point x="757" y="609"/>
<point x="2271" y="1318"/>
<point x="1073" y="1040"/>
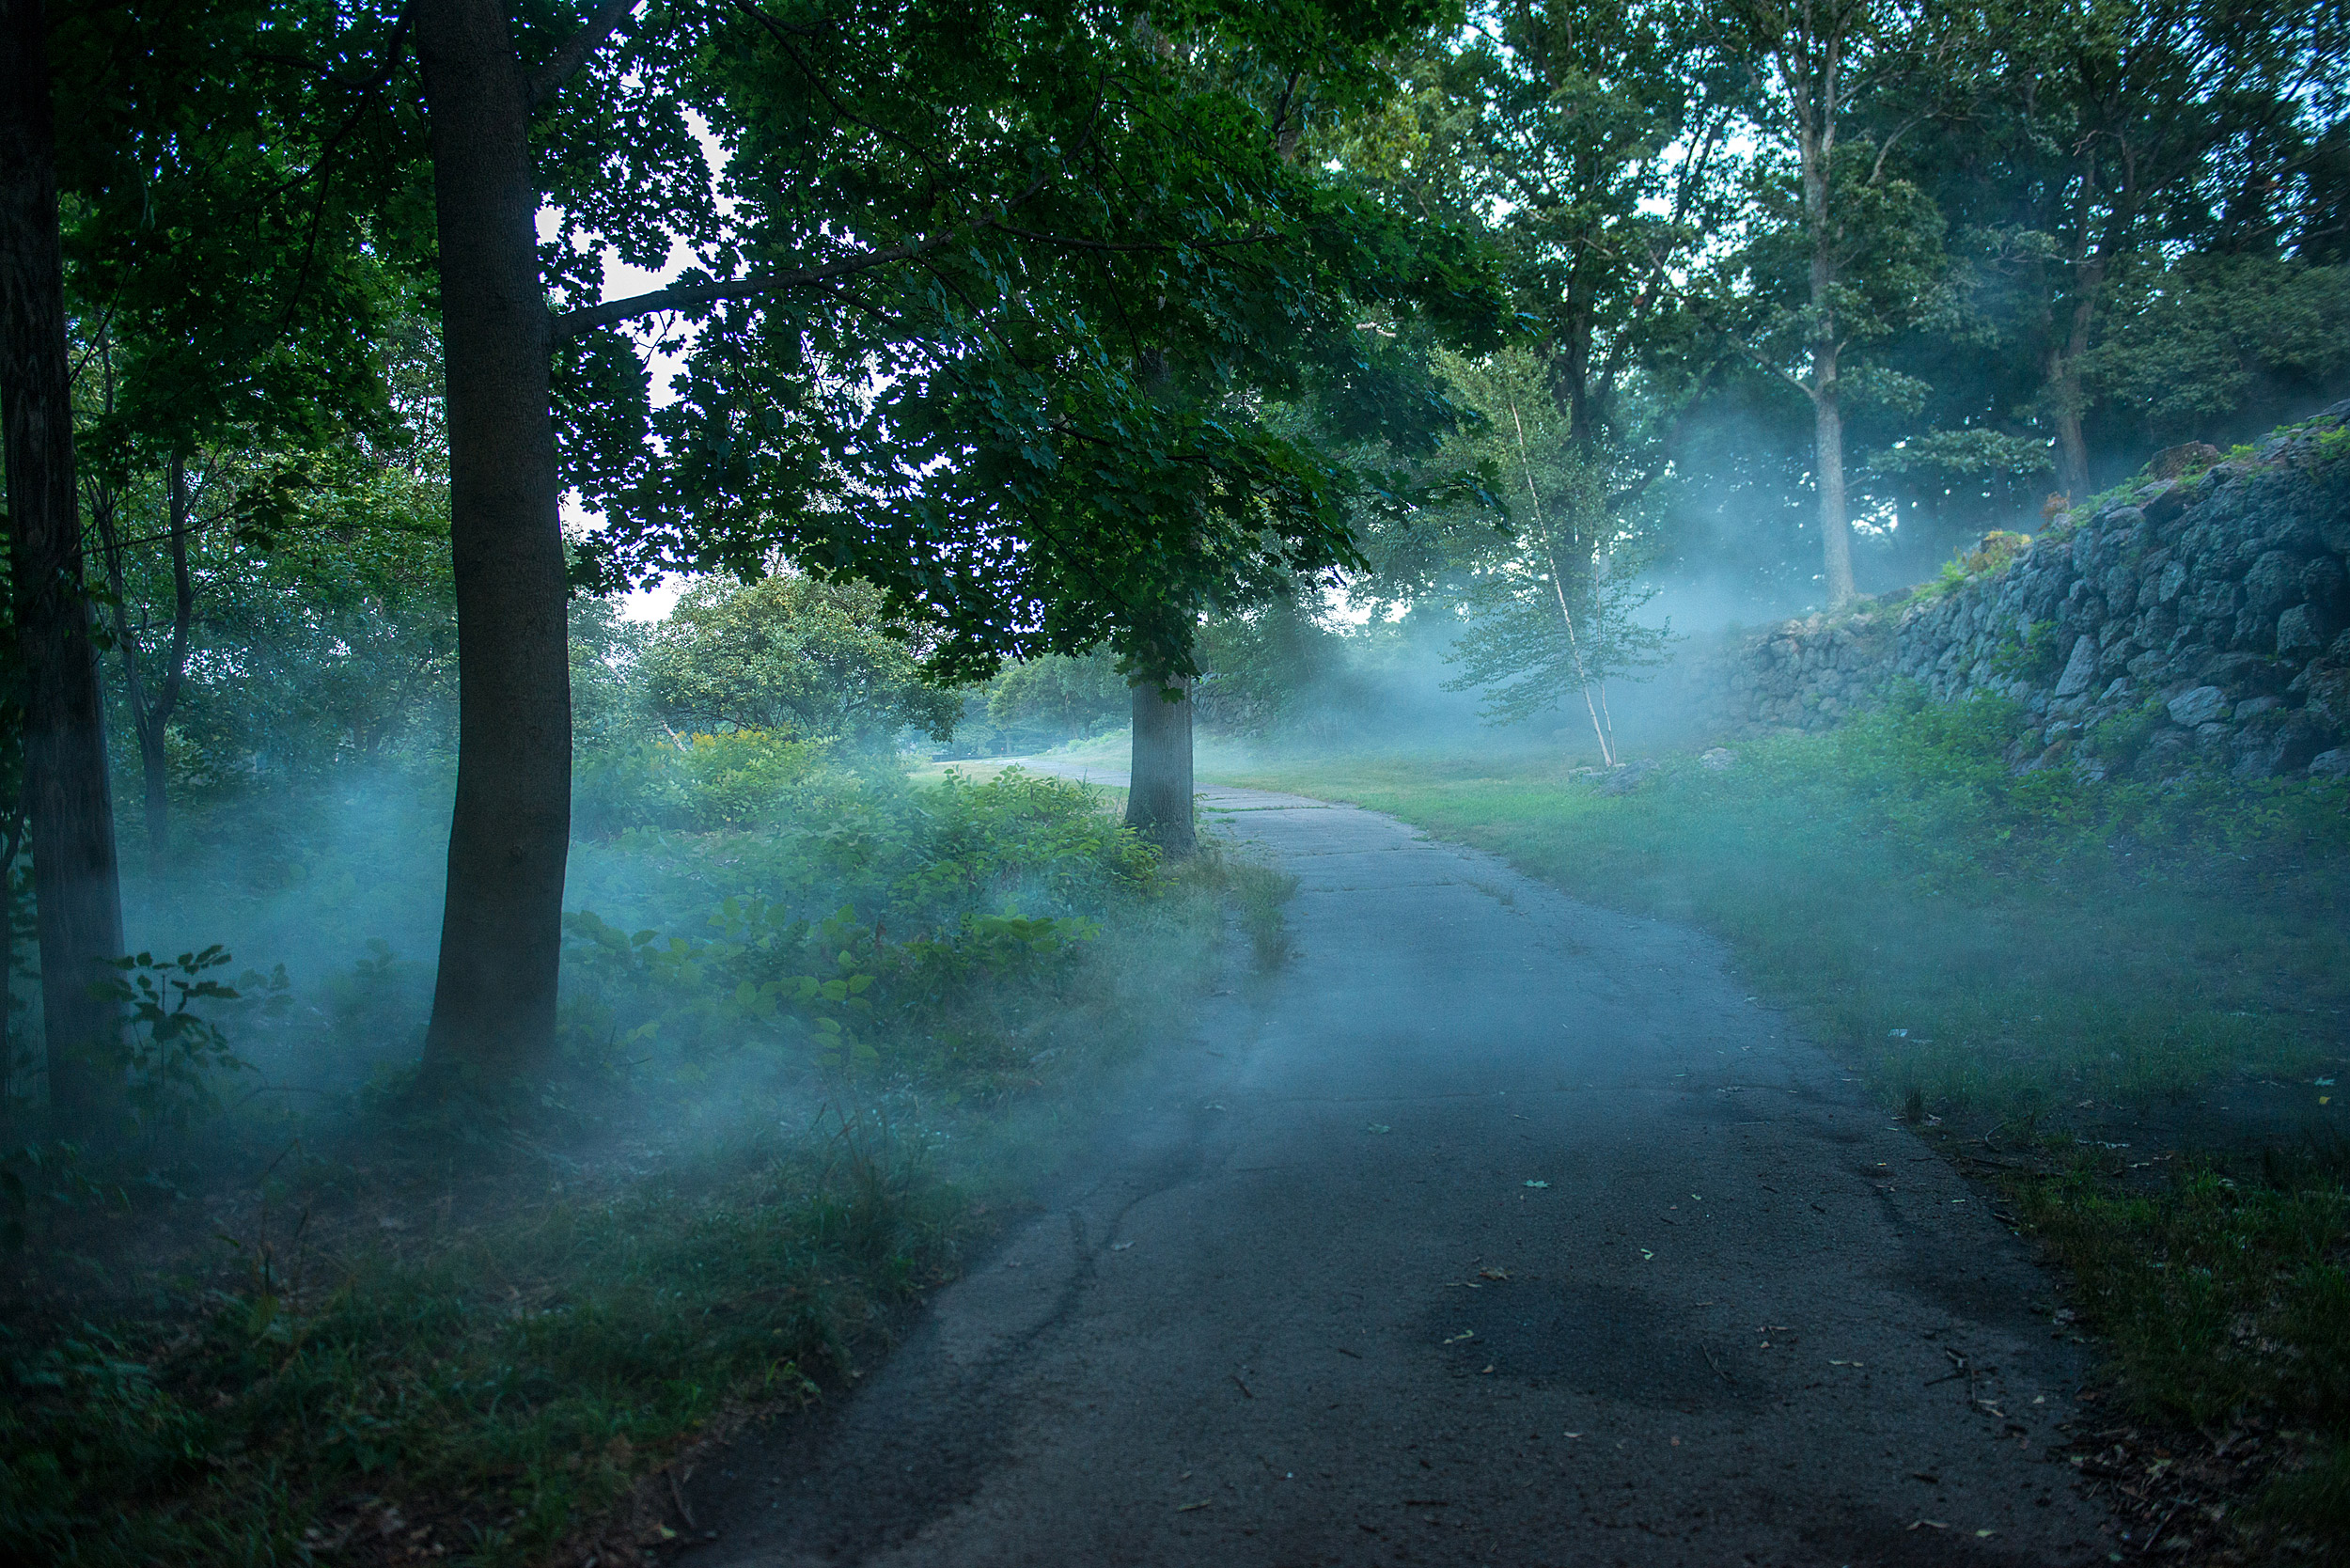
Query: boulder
<point x="2301" y="632"/>
<point x="2197" y="706"/>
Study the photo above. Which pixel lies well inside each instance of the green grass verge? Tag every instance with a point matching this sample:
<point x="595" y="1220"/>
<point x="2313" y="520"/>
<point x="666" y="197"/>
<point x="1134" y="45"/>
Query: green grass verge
<point x="1988" y="942"/>
<point x="483" y="1394"/>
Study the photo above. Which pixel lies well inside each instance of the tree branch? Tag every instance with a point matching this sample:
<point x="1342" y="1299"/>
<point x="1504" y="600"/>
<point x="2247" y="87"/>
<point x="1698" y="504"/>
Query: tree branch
<point x="684" y="296"/>
<point x="560" y="66"/>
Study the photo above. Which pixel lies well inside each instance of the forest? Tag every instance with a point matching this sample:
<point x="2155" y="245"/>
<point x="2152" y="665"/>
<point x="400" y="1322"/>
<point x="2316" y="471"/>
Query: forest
<point x="533" y="527"/>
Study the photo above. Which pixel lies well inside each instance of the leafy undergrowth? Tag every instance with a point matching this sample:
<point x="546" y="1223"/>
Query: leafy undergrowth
<point x="2223" y="1304"/>
<point x="803" y="1055"/>
<point x="2127" y="979"/>
<point x="474" y="1397"/>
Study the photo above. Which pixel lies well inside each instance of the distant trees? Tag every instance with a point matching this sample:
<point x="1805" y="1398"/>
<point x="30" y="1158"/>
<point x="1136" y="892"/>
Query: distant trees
<point x="793" y="654"/>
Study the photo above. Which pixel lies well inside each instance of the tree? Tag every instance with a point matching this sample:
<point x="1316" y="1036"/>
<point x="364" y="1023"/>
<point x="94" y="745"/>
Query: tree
<point x="1049" y="433"/>
<point x="1551" y="609"/>
<point x="195" y="232"/>
<point x="793" y="654"/>
<point x="1869" y="240"/>
<point x="2124" y="125"/>
<point x="80" y="904"/>
<point x="1054" y="697"/>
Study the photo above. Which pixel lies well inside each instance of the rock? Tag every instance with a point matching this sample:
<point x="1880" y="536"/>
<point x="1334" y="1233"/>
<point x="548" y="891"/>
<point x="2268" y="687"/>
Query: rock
<point x="2323" y="583"/>
<point x="1626" y="776"/>
<point x="2171" y="462"/>
<point x="2252" y="707"/>
<point x="2331" y="764"/>
<point x="2300" y="631"/>
<point x="2081" y="670"/>
<point x="2200" y="706"/>
<point x="2273" y="583"/>
<point x="2239" y="672"/>
<point x="1717" y="759"/>
<point x="2276" y="743"/>
<point x="2164" y="503"/>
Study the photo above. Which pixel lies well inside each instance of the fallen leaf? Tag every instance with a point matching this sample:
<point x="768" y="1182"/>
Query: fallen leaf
<point x="1573" y="1435"/>
<point x="1981" y="1533"/>
<point x="1847" y="1363"/>
<point x="1646" y="1253"/>
<point x="1379" y="1127"/>
<point x="1493" y="1274"/>
<point x="1120" y="1246"/>
<point x="1482" y="1370"/>
<point x="1186" y="1508"/>
<point x="1463" y="1334"/>
<point x="1928" y="1524"/>
<point x="1538" y="1183"/>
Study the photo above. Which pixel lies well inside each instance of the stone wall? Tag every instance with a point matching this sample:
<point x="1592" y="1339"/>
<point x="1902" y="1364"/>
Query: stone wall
<point x="2197" y="619"/>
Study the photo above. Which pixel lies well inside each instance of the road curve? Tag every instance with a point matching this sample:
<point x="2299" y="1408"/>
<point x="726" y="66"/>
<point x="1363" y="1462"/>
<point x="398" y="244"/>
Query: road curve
<point x="1494" y="1228"/>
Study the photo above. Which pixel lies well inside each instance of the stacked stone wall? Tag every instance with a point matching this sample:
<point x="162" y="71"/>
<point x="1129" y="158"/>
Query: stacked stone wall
<point x="2204" y="618"/>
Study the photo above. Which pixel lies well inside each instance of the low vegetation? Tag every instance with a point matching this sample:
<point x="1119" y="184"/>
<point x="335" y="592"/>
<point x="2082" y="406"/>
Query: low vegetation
<point x="821" y="1025"/>
<point x="2131" y="991"/>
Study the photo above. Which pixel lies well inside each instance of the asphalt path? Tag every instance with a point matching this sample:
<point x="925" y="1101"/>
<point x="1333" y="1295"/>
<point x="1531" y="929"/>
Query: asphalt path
<point x="1492" y="1228"/>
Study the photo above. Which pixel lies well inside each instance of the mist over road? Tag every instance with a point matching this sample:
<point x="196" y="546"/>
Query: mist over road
<point x="1492" y="1228"/>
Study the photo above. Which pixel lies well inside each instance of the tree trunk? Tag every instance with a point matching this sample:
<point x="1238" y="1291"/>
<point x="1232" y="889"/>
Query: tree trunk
<point x="1827" y="439"/>
<point x="149" y="719"/>
<point x="1158" y="785"/>
<point x="79" y="898"/>
<point x="501" y="928"/>
<point x="1814" y="91"/>
<point x="2072" y="453"/>
<point x="2062" y="388"/>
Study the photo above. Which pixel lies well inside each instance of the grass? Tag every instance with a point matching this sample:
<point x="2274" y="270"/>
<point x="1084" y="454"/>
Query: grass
<point x="481" y="1394"/>
<point x="2074" y="967"/>
<point x="1988" y="943"/>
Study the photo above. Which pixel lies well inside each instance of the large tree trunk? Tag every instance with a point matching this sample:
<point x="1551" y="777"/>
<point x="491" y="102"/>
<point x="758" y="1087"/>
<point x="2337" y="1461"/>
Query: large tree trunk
<point x="501" y="928"/>
<point x="2072" y="447"/>
<point x="1158" y="784"/>
<point x="74" y="880"/>
<point x="1813" y="93"/>
<point x="1827" y="441"/>
<point x="2062" y="388"/>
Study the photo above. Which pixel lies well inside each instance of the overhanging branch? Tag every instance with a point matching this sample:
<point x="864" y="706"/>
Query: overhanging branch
<point x="684" y="296"/>
<point x="560" y="66"/>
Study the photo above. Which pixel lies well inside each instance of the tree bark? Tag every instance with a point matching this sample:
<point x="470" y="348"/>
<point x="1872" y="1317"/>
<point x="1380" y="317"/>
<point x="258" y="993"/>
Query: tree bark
<point x="1811" y="69"/>
<point x="501" y="930"/>
<point x="1159" y="782"/>
<point x="2064" y="405"/>
<point x="75" y="882"/>
<point x="149" y="719"/>
<point x="1827" y="444"/>
<point x="1817" y="148"/>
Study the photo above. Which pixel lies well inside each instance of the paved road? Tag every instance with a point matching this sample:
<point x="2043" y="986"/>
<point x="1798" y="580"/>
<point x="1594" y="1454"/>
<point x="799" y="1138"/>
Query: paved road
<point x="1492" y="1228"/>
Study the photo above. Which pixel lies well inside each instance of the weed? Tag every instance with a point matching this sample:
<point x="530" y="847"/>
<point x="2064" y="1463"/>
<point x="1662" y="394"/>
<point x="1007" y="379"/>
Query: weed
<point x="1259" y="891"/>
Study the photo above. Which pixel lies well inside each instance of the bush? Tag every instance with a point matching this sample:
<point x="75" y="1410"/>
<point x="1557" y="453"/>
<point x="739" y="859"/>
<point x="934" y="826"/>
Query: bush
<point x="696" y="783"/>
